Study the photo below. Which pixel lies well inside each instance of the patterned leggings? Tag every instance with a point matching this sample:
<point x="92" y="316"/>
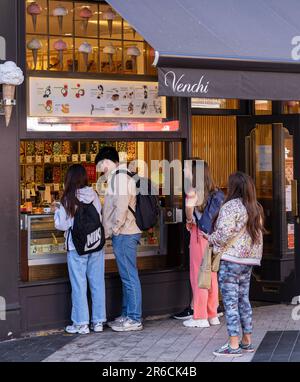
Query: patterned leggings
<point x="234" y="283"/>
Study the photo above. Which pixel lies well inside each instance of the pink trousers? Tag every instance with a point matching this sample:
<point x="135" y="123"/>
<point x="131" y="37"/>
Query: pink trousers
<point x="205" y="302"/>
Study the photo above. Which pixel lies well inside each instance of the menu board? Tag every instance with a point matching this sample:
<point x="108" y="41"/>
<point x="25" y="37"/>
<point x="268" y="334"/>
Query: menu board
<point x="63" y="97"/>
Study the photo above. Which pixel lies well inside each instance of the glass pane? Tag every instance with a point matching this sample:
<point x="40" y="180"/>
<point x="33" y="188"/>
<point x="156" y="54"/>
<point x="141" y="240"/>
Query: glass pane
<point x="61" y="18"/>
<point x="86" y="55"/>
<point x="86" y="20"/>
<point x="37" y="52"/>
<point x="263" y="107"/>
<point x="215" y="103"/>
<point x="110" y="23"/>
<point x="36" y="17"/>
<point x="291" y="107"/>
<point x="289" y="177"/>
<point x="261" y="170"/>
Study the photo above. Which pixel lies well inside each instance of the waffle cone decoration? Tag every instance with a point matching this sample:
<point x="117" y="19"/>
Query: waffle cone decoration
<point x="34" y="10"/>
<point x="8" y="94"/>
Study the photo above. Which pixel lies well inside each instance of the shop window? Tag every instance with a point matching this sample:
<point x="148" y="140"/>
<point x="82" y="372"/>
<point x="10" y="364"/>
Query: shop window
<point x="215" y="103"/>
<point x="43" y="165"/>
<point x="263" y="107"/>
<point x="88" y="37"/>
<point x="291" y="107"/>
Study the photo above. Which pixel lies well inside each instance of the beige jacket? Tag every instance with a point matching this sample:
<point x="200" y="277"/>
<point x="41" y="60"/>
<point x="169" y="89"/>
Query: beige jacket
<point x="120" y="193"/>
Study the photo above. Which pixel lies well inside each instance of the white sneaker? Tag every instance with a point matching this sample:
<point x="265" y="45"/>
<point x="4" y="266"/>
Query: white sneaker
<point x="77" y="329"/>
<point x="214" y="321"/>
<point x="127" y="325"/>
<point x="191" y="323"/>
<point x="117" y="320"/>
<point x="97" y="328"/>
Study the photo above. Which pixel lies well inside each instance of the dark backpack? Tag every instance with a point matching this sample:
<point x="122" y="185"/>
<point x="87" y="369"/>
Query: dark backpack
<point x="212" y="208"/>
<point x="87" y="232"/>
<point x="147" y="207"/>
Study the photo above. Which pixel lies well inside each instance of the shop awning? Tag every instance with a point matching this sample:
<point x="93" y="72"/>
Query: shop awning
<point x="221" y="48"/>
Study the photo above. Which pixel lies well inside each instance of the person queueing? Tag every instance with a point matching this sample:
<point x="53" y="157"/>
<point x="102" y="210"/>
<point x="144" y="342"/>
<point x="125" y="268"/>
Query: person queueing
<point x="238" y="237"/>
<point x="120" y="225"/>
<point x="205" y="302"/>
<point x="78" y="196"/>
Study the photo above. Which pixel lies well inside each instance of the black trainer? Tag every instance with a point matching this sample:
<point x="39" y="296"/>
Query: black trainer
<point x="184" y="315"/>
<point x="220" y="311"/>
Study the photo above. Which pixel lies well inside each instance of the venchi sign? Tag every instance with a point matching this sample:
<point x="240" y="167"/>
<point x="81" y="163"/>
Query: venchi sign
<point x="179" y="84"/>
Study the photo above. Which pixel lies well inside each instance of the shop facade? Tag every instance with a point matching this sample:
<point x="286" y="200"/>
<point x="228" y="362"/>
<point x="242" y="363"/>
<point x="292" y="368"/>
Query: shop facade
<point x="89" y="83"/>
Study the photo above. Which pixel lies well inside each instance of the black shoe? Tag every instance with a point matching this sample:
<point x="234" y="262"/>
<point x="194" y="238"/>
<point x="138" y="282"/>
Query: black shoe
<point x="186" y="314"/>
<point x="220" y="311"/>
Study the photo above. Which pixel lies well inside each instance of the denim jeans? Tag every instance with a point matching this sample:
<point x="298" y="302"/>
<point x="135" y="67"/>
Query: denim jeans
<point x="234" y="282"/>
<point x="82" y="269"/>
<point x="125" y="250"/>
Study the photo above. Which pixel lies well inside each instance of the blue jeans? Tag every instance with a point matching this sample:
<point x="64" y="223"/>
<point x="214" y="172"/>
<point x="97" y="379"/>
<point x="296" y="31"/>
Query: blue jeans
<point x="234" y="282"/>
<point x="83" y="268"/>
<point x="125" y="250"/>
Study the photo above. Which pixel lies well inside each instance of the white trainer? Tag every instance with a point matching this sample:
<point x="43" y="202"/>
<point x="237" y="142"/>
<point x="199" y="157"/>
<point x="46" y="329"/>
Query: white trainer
<point x="191" y="323"/>
<point x="77" y="329"/>
<point x="116" y="321"/>
<point x="214" y="321"/>
<point x="97" y="327"/>
<point x="127" y="325"/>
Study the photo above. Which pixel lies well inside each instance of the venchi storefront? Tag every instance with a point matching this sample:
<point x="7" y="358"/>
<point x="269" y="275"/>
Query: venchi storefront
<point x="90" y="82"/>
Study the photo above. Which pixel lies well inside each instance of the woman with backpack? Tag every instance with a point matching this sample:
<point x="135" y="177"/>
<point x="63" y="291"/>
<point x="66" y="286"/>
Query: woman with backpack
<point x="79" y="215"/>
<point x="203" y="201"/>
<point x="238" y="238"/>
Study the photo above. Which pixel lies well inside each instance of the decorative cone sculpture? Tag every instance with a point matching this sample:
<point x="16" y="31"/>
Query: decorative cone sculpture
<point x="85" y="49"/>
<point x="10" y="77"/>
<point x="110" y="50"/>
<point x="85" y="13"/>
<point x="109" y="15"/>
<point x="60" y="46"/>
<point x="133" y="52"/>
<point x="34" y="9"/>
<point x="34" y="45"/>
<point x="60" y="12"/>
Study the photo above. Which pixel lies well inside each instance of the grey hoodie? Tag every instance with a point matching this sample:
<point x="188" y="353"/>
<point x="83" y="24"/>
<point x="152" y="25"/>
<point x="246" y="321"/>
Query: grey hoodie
<point x="63" y="222"/>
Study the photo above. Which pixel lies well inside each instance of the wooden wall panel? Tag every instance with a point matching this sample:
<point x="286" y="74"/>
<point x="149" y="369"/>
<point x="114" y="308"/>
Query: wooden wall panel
<point x="214" y="140"/>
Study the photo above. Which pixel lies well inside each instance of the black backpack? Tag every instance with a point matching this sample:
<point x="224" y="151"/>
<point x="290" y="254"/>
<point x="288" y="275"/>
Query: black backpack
<point x="147" y="206"/>
<point x="87" y="232"/>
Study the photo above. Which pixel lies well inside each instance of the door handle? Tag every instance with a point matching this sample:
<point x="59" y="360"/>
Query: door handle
<point x="294" y="184"/>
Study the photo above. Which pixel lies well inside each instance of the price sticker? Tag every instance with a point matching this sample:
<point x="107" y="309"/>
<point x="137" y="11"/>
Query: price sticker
<point x="75" y="158"/>
<point x="29" y="159"/>
<point x="56" y="158"/>
<point x="83" y="157"/>
<point x="56" y="187"/>
<point x="64" y="158"/>
<point x="38" y="159"/>
<point x="93" y="157"/>
<point x="47" y="158"/>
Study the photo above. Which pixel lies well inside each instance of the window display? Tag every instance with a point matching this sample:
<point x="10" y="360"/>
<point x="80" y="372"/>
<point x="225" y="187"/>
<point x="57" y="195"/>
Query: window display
<point x="83" y="37"/>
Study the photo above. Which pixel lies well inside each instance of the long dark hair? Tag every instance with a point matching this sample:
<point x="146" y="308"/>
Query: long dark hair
<point x="209" y="184"/>
<point x="76" y="178"/>
<point x="241" y="185"/>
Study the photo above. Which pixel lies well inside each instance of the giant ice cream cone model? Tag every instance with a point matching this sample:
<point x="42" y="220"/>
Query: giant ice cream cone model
<point x="34" y="45"/>
<point x="10" y="77"/>
<point x="34" y="9"/>
<point x="110" y="50"/>
<point x="109" y="16"/>
<point x="85" y="13"/>
<point x="60" y="46"/>
<point x="85" y="49"/>
<point x="60" y="12"/>
<point x="133" y="52"/>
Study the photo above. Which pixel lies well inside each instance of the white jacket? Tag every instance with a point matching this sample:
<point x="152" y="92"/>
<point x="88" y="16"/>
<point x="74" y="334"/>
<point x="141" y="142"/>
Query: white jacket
<point x="64" y="223"/>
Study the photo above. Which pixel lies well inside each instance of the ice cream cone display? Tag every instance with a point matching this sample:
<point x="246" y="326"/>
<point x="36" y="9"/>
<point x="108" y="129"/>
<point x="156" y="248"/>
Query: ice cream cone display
<point x="34" y="45"/>
<point x="133" y="52"/>
<point x="10" y="77"/>
<point x="60" y="12"/>
<point x="110" y="50"/>
<point x="85" y="49"/>
<point x="60" y="46"/>
<point x="85" y="13"/>
<point x="34" y="10"/>
<point x="109" y="15"/>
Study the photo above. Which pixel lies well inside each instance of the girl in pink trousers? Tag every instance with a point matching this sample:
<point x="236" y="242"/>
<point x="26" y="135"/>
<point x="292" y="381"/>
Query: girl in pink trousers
<point x="198" y="198"/>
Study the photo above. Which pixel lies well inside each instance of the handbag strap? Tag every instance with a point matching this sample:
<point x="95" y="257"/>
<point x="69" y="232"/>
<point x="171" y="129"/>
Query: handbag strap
<point x="234" y="239"/>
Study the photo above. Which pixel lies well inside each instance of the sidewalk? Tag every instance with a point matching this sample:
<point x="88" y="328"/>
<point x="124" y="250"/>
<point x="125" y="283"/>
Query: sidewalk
<point x="164" y="340"/>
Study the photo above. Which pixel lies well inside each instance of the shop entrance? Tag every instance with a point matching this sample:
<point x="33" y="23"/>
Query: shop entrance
<point x="269" y="151"/>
